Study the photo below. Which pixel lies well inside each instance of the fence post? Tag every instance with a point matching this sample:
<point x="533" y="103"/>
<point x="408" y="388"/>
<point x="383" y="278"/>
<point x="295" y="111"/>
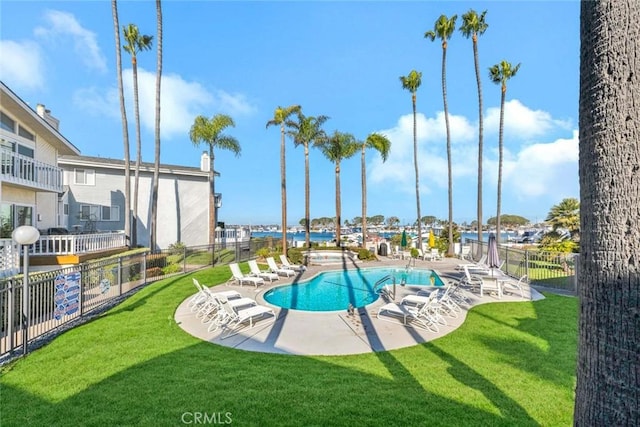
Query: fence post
<point x="184" y="260"/>
<point x="84" y="273"/>
<point x="526" y="263"/>
<point x="119" y="275"/>
<point x="143" y="267"/>
<point x="10" y="313"/>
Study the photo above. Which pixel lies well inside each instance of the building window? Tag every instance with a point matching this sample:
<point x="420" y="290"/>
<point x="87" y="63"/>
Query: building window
<point x="65" y="208"/>
<point x="84" y="177"/>
<point x="111" y="213"/>
<point x="7" y="123"/>
<point x="26" y="134"/>
<point x="12" y="216"/>
<point x="89" y="213"/>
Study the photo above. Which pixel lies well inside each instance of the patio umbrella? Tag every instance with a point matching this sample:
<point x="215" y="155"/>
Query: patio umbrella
<point x="432" y="239"/>
<point x="493" y="259"/>
<point x="403" y="240"/>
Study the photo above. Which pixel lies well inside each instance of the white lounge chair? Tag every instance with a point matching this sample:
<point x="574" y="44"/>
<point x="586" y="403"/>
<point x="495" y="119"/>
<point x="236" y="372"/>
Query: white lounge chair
<point x="255" y="271"/>
<point x="241" y="278"/>
<point x="433" y="255"/>
<point x="215" y="299"/>
<point x="413" y="316"/>
<point x="279" y="271"/>
<point x="201" y="297"/>
<point x="286" y="264"/>
<point x="430" y="306"/>
<point x="236" y="318"/>
<point x="509" y="285"/>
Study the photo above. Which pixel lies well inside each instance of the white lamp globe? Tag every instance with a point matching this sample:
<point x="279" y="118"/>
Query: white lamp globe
<point x="26" y="235"/>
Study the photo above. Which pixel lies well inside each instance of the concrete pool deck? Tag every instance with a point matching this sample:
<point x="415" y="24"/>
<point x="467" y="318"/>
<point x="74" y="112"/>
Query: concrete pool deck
<point x="336" y="332"/>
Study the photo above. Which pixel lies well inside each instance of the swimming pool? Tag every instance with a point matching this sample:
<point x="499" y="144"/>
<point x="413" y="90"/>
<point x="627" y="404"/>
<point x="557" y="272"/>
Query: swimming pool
<point x="335" y="290"/>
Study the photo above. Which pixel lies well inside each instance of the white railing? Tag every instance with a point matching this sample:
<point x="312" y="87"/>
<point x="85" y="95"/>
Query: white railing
<point x="18" y="169"/>
<point x="233" y="235"/>
<point x="77" y="244"/>
<point x="70" y="244"/>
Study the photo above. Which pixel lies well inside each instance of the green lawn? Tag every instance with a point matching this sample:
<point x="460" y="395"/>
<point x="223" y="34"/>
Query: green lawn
<point x="509" y="364"/>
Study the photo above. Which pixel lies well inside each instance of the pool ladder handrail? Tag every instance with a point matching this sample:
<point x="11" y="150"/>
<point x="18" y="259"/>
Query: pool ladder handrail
<point x="382" y="281"/>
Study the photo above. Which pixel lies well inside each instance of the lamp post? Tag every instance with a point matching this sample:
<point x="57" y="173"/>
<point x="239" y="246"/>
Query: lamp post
<point x="25" y="235"/>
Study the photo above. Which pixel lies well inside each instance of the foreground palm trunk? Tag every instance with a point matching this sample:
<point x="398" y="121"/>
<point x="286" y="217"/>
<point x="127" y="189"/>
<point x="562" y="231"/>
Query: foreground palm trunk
<point x="608" y="372"/>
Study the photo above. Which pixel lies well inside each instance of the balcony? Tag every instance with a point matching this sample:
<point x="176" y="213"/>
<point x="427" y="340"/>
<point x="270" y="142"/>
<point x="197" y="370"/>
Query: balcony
<point x="62" y="249"/>
<point x="25" y="171"/>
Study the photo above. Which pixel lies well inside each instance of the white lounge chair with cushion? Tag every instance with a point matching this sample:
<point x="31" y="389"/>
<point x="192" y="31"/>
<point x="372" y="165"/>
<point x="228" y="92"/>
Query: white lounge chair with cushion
<point x="286" y="264"/>
<point x="430" y="306"/>
<point x="255" y="271"/>
<point x="279" y="271"/>
<point x="241" y="278"/>
<point x="433" y="255"/>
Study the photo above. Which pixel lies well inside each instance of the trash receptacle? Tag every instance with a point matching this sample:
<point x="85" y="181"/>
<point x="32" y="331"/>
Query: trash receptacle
<point x="382" y="249"/>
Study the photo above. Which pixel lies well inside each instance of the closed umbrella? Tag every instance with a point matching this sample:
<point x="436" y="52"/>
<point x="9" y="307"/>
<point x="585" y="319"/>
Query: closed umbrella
<point x="493" y="259"/>
<point x="432" y="239"/>
<point x="403" y="240"/>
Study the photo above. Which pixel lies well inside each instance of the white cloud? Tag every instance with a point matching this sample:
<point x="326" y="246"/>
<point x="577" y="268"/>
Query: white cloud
<point x="432" y="160"/>
<point x="530" y="171"/>
<point x="181" y="101"/>
<point x="21" y="65"/>
<point x="521" y="122"/>
<point x="541" y="169"/>
<point x="62" y="24"/>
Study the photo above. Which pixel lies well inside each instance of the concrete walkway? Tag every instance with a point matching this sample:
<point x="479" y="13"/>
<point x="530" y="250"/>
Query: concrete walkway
<point x="336" y="332"/>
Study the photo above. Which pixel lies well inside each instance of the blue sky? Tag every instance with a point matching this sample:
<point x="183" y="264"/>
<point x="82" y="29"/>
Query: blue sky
<point x="340" y="59"/>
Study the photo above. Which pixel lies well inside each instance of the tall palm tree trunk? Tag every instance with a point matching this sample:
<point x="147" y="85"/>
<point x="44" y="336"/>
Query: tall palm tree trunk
<point x="500" y="148"/>
<point x="415" y="165"/>
<point x="156" y="167"/>
<point x="213" y="217"/>
<point x="338" y="205"/>
<point x="283" y="190"/>
<point x="307" y="211"/>
<point x="480" y="138"/>
<point x="450" y="250"/>
<point x="136" y="179"/>
<point x="608" y="379"/>
<point x="125" y="131"/>
<point x="363" y="177"/>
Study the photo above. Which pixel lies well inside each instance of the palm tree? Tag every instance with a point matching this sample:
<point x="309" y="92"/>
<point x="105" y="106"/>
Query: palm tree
<point x="473" y="25"/>
<point x="156" y="167"/>
<point x="608" y="384"/>
<point x="412" y="83"/>
<point x="125" y="126"/>
<point x="135" y="42"/>
<point x="500" y="74"/>
<point x="210" y="132"/>
<point x="382" y="145"/>
<point x="336" y="148"/>
<point x="566" y="215"/>
<point x="307" y="130"/>
<point x="280" y="118"/>
<point x="444" y="27"/>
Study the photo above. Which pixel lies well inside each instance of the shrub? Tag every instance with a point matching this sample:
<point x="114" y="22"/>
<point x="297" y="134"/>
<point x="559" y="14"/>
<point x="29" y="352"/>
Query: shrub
<point x="177" y="248"/>
<point x="171" y="268"/>
<point x="295" y="255"/>
<point x="263" y="252"/>
<point x="366" y="254"/>
<point x="154" y="271"/>
<point x="156" y="260"/>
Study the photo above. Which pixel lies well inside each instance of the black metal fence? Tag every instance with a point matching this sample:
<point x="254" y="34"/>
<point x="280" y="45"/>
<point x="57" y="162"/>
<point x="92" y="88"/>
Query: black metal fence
<point x="556" y="270"/>
<point x="62" y="297"/>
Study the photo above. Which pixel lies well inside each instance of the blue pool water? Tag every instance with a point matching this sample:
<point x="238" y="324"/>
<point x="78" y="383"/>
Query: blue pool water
<point x="335" y="290"/>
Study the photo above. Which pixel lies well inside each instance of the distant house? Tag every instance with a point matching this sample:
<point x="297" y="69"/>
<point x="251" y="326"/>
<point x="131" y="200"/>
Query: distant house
<point x="30" y="179"/>
<point x="93" y="199"/>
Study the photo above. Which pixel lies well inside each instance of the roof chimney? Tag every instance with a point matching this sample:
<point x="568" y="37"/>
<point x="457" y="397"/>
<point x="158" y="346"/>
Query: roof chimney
<point x="205" y="162"/>
<point x="46" y="115"/>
